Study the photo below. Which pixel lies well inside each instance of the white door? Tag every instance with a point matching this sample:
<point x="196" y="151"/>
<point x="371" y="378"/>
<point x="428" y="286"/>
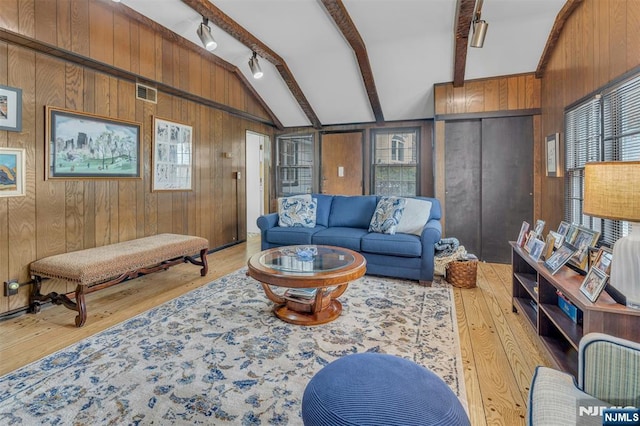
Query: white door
<point x="255" y="180"/>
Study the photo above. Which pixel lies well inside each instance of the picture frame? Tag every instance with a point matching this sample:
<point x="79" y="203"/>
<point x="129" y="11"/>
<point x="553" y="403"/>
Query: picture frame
<point x="522" y="237"/>
<point x="172" y="156"/>
<point x="12" y="166"/>
<point x="563" y="227"/>
<point x="558" y="239"/>
<point x="593" y="284"/>
<point x="82" y="145"/>
<point x="536" y="249"/>
<point x="539" y="227"/>
<point x="603" y="260"/>
<point x="531" y="238"/>
<point x="583" y="239"/>
<point x="10" y="109"/>
<point x="550" y="245"/>
<point x="552" y="151"/>
<point x="560" y="257"/>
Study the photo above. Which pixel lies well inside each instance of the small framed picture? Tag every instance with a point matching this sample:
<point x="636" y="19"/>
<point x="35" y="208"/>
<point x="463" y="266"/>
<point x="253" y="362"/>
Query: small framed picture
<point x="593" y="284"/>
<point x="558" y="239"/>
<point x="10" y="108"/>
<point x="536" y="249"/>
<point x="583" y="239"/>
<point x="522" y="237"/>
<point x="563" y="228"/>
<point x="553" y="155"/>
<point x="560" y="257"/>
<point x="12" y="172"/>
<point x="550" y="245"/>
<point x="603" y="260"/>
<point x="539" y="227"/>
<point x="531" y="238"/>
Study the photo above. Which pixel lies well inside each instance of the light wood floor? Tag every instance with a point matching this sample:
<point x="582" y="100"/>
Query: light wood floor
<point x="499" y="349"/>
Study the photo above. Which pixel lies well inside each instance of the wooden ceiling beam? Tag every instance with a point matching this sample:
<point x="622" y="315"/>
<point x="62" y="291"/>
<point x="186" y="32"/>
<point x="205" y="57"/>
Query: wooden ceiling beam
<point x="231" y="27"/>
<point x="340" y="16"/>
<point x="569" y="7"/>
<point x="464" y="16"/>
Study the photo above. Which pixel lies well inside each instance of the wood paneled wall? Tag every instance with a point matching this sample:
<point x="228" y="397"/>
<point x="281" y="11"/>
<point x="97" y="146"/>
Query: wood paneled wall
<point x="489" y="97"/>
<point x="58" y="216"/>
<point x="600" y="41"/>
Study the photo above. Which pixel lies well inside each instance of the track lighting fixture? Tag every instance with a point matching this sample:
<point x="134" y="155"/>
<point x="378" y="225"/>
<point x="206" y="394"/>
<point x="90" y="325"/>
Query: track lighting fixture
<point x="480" y="27"/>
<point x="255" y="66"/>
<point x="204" y="32"/>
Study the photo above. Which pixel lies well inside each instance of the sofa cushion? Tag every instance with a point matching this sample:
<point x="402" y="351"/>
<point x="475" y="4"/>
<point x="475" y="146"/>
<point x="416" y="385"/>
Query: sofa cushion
<point x="291" y="235"/>
<point x="387" y="215"/>
<point x="404" y="245"/>
<point x="324" y="208"/>
<point x="340" y="236"/>
<point x="353" y="211"/>
<point x="297" y="211"/>
<point x="415" y="216"/>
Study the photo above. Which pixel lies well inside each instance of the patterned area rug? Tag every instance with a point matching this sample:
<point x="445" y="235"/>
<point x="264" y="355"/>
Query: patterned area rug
<point x="217" y="355"/>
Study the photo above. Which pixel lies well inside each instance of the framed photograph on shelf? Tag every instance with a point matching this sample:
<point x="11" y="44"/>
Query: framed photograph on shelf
<point x="563" y="228"/>
<point x="531" y="238"/>
<point x="539" y="227"/>
<point x="12" y="172"/>
<point x="85" y="146"/>
<point x="603" y="260"/>
<point x="172" y="156"/>
<point x="10" y="109"/>
<point x="550" y="245"/>
<point x="593" y="284"/>
<point x="558" y="239"/>
<point x="553" y="155"/>
<point x="522" y="237"/>
<point x="559" y="257"/>
<point x="536" y="249"/>
<point x="583" y="239"/>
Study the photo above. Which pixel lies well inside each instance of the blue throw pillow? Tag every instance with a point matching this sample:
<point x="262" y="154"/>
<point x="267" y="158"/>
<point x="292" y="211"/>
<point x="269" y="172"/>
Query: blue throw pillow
<point x="387" y="215"/>
<point x="297" y="211"/>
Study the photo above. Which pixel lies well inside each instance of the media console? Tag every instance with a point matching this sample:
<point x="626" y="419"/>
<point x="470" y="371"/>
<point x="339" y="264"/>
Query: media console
<point x="535" y="297"/>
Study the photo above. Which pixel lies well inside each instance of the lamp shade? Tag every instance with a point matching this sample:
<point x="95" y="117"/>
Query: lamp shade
<point x="612" y="190"/>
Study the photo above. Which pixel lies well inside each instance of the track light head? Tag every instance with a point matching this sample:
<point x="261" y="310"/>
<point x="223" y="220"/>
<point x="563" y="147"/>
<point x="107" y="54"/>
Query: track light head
<point x="204" y="32"/>
<point x="255" y="67"/>
<point x="480" y="28"/>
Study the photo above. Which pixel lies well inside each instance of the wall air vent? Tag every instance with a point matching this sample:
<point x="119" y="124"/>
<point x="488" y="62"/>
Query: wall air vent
<point x="146" y="93"/>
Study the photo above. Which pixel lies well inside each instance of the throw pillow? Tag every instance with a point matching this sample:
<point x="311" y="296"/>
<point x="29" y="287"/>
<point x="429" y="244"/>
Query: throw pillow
<point x="297" y="211"/>
<point x="387" y="215"/>
<point x="415" y="216"/>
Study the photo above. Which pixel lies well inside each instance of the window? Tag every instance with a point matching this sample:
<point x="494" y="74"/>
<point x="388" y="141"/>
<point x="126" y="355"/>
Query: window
<point x="603" y="128"/>
<point x="395" y="162"/>
<point x="294" y="165"/>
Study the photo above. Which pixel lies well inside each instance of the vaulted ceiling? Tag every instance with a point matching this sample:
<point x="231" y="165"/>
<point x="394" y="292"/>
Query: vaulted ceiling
<point x="330" y="62"/>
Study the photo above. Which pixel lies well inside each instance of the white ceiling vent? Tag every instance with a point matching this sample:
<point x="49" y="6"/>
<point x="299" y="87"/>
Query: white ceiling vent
<point x="146" y="93"/>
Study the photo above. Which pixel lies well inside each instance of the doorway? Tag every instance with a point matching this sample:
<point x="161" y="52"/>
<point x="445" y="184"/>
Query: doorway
<point x="341" y="170"/>
<point x="255" y="144"/>
<point x="488" y="183"/>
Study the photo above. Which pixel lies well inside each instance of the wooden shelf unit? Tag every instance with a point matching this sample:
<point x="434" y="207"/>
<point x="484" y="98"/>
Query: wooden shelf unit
<point x="534" y="296"/>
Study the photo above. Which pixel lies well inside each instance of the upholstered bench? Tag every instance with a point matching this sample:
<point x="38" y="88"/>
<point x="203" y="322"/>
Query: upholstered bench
<point x="379" y="389"/>
<point x="101" y="267"/>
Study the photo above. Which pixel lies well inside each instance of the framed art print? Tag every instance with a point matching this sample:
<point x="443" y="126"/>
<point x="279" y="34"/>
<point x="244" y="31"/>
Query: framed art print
<point x="172" y="156"/>
<point x="12" y="172"/>
<point x="10" y="109"/>
<point x="593" y="284"/>
<point x="80" y="145"/>
<point x="553" y="155"/>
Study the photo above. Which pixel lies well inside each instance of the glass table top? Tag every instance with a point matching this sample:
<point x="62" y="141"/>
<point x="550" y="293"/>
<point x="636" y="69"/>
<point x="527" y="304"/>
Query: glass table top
<point x="306" y="259"/>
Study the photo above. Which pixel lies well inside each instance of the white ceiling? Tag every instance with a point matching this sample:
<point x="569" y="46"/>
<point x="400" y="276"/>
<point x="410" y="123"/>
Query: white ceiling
<point x="410" y="44"/>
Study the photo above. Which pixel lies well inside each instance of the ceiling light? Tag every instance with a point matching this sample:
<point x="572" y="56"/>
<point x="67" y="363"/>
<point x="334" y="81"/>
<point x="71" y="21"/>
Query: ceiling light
<point x="204" y="32"/>
<point x="480" y="27"/>
<point x="255" y="66"/>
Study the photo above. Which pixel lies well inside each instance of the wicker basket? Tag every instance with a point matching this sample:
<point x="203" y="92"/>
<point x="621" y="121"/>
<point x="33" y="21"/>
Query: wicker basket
<point x="462" y="273"/>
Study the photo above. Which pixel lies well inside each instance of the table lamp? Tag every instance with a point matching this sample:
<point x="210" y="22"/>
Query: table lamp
<point x="612" y="191"/>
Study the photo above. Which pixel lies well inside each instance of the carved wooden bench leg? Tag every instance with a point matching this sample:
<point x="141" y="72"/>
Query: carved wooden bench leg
<point x="81" y="318"/>
<point x="202" y="262"/>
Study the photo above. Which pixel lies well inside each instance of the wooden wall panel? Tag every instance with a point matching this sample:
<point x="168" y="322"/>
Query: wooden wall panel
<point x="61" y="215"/>
<point x="599" y="43"/>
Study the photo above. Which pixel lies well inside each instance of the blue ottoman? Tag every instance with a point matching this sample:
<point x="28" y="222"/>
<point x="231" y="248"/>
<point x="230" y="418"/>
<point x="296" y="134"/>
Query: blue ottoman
<point x="379" y="389"/>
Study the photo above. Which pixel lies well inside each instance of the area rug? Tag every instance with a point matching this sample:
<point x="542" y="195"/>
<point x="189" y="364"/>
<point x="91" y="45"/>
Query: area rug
<point x="217" y="355"/>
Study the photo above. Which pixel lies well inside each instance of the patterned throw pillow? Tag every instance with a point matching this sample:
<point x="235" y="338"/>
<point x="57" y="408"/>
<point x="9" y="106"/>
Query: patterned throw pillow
<point x="387" y="215"/>
<point x="297" y="211"/>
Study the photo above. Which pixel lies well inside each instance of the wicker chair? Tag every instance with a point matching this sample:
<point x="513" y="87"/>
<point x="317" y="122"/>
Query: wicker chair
<point x="608" y="376"/>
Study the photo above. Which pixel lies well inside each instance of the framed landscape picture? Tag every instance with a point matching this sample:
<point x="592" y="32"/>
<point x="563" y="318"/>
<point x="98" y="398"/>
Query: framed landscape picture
<point x="10" y="108"/>
<point x="12" y="168"/>
<point x="172" y="156"/>
<point x="85" y="146"/>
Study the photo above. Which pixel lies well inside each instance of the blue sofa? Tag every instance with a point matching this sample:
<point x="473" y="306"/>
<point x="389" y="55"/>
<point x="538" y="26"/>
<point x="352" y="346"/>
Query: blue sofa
<point x="344" y="221"/>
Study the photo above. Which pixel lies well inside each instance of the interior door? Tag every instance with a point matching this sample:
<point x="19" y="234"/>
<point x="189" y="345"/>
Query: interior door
<point x="488" y="183"/>
<point x="341" y="169"/>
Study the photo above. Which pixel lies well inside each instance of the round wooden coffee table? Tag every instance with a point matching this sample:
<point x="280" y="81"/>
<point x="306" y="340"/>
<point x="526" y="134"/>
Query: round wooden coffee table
<point x="313" y="277"/>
